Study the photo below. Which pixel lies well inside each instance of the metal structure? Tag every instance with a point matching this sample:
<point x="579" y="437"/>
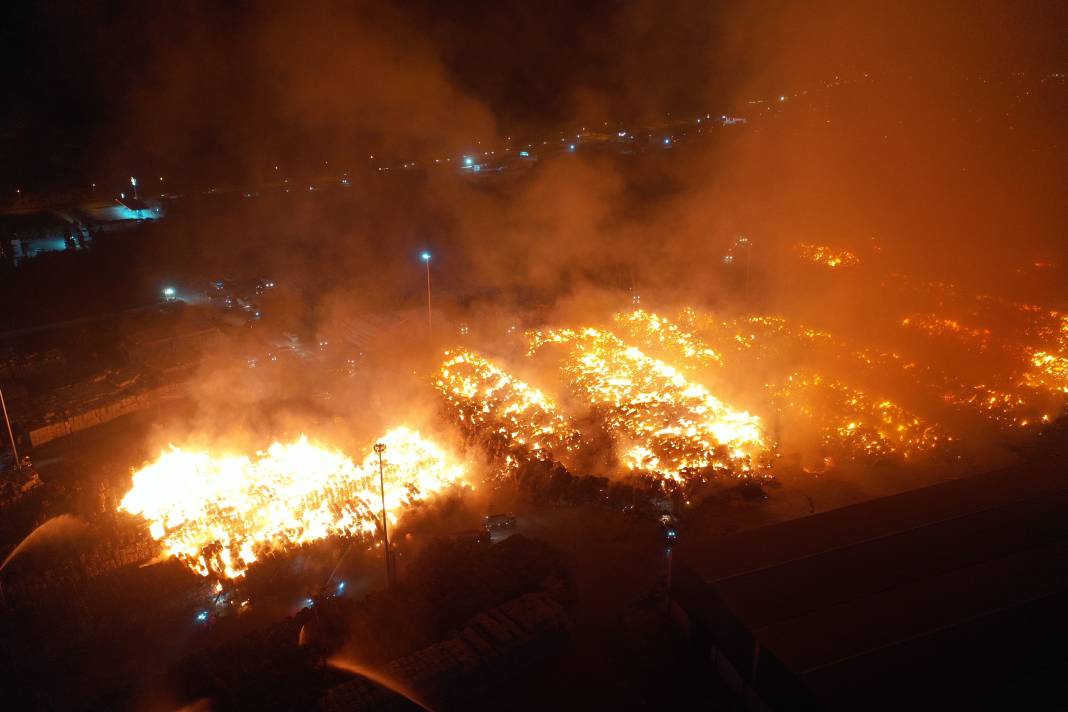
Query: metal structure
<point x="10" y="433"/>
<point x="379" y="449"/>
<point x="429" y="314"/>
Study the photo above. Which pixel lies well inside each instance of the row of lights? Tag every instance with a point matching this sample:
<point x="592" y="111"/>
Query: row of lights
<point x="467" y="160"/>
<point x="170" y="293"/>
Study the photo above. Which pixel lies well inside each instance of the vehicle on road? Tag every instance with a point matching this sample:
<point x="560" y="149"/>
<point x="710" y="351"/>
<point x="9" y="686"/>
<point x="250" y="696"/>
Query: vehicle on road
<point x="671" y="535"/>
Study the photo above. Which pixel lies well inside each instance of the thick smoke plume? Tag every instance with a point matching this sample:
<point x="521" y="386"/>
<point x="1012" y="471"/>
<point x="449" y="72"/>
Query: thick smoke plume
<point x="926" y="140"/>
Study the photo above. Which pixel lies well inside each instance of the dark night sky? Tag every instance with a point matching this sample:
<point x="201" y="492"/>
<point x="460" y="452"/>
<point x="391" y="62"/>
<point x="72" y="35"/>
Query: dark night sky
<point x="222" y="89"/>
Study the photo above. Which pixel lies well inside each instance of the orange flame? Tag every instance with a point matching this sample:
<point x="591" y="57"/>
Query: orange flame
<point x="219" y="514"/>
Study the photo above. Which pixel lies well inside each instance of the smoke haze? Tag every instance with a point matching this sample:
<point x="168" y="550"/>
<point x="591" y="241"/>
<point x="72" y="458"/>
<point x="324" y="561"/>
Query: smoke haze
<point x="926" y="139"/>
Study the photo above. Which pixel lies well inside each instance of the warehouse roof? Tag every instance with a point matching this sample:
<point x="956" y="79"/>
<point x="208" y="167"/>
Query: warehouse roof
<point x="865" y="606"/>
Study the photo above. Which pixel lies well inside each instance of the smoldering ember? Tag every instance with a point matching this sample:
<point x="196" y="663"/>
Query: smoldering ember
<point x="509" y="355"/>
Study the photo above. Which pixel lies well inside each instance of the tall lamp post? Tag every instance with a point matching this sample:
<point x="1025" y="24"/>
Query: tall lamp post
<point x="429" y="314"/>
<point x="379" y="449"/>
<point x="133" y="182"/>
<point x="10" y="433"/>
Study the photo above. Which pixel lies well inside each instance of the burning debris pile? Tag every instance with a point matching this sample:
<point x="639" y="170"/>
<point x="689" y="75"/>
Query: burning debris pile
<point x="850" y="420"/>
<point x="1022" y="362"/>
<point x="938" y="326"/>
<point x="1016" y="396"/>
<point x="657" y="333"/>
<point x="647" y="381"/>
<point x="1050" y="365"/>
<point x="762" y="336"/>
<point x="825" y="256"/>
<point x="513" y="421"/>
<point x="219" y="514"/>
<point x="663" y="422"/>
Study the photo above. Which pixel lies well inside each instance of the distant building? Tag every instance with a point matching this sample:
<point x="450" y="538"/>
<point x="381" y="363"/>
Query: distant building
<point x="26" y="235"/>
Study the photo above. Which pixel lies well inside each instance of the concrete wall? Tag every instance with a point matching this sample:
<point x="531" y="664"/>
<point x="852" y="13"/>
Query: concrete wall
<point x="97" y="416"/>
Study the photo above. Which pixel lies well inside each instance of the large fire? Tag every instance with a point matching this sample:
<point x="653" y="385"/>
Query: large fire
<point x="657" y="332"/>
<point x="642" y="383"/>
<point x="220" y="513"/>
<point x="1049" y="366"/>
<point x="825" y="255"/>
<point x="848" y="419"/>
<point x="669" y="424"/>
<point x="851" y="420"/>
<point x="935" y="325"/>
<point x="513" y="419"/>
<point x="664" y="422"/>
<point x="1017" y="396"/>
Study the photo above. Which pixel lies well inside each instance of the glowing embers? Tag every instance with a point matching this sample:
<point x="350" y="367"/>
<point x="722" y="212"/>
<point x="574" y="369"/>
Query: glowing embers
<point x="1005" y="407"/>
<point x="851" y="420"/>
<point x="846" y="419"/>
<point x="825" y="256"/>
<point x="662" y="422"/>
<point x="513" y="420"/>
<point x="763" y="335"/>
<point x="1049" y="367"/>
<point x="1050" y="371"/>
<point x="220" y="513"/>
<point x="648" y="328"/>
<point x="934" y="325"/>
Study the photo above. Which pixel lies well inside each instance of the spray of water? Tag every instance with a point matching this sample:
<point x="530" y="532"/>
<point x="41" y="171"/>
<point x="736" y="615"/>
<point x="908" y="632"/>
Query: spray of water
<point x="378" y="678"/>
<point x="62" y="527"/>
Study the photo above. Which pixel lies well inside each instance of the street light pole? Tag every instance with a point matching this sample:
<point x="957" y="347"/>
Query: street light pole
<point x="379" y="449"/>
<point x="133" y="182"/>
<point x="429" y="314"/>
<point x="10" y="433"/>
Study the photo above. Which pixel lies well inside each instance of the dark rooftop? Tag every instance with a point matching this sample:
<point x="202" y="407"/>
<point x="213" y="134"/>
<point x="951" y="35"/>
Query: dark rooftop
<point x="902" y="600"/>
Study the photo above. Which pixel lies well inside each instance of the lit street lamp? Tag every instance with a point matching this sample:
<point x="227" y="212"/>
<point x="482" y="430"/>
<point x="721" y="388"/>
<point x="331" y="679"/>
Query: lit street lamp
<point x="429" y="316"/>
<point x="379" y="449"/>
<point x="133" y="182"/>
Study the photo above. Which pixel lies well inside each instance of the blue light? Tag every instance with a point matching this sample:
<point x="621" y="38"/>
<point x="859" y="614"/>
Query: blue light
<point x="341" y="587"/>
<point x="202" y="616"/>
<point x="425" y="256"/>
<point x="468" y="161"/>
<point x="524" y="153"/>
<point x="308" y="603"/>
<point x="571" y="147"/>
<point x="667" y="141"/>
